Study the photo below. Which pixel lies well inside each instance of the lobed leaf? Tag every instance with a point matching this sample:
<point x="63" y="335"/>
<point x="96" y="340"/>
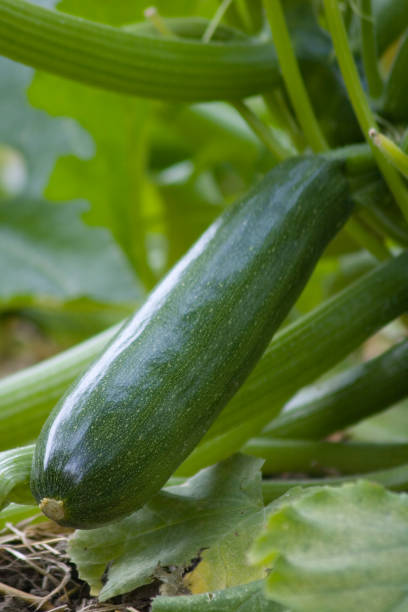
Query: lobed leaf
<point x="172" y="528"/>
<point x="337" y="548"/>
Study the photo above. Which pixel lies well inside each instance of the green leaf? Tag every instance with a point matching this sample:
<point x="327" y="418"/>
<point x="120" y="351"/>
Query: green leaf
<point x="113" y="180"/>
<point x="224" y="564"/>
<point x="48" y="253"/>
<point x="171" y="529"/>
<point x="337" y="549"/>
<point x="38" y="138"/>
<point x="243" y="598"/>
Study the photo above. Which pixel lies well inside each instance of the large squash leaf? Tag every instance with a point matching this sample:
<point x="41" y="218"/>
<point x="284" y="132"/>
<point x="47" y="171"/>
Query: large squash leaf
<point x="337" y="549"/>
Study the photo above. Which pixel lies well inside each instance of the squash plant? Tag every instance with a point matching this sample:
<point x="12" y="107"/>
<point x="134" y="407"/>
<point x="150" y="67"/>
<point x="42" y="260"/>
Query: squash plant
<point x="250" y="158"/>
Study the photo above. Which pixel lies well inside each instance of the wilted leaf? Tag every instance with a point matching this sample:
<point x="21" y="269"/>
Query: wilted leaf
<point x="337" y="549"/>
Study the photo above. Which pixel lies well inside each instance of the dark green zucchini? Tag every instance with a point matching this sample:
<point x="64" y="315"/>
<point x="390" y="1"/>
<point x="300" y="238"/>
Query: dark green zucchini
<point x="346" y="398"/>
<point x="140" y="409"/>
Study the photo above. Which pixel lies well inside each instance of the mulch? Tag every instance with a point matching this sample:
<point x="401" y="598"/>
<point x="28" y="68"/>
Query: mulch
<point x="36" y="574"/>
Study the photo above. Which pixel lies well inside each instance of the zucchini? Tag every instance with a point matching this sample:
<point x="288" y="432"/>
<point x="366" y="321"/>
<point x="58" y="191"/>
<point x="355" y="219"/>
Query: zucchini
<point x="140" y="409"/>
<point x="346" y="398"/>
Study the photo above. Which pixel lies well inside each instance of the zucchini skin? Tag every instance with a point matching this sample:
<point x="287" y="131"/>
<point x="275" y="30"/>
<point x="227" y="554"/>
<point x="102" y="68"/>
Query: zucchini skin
<point x="123" y="428"/>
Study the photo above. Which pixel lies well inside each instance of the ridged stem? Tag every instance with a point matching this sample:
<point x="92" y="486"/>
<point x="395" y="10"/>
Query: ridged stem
<point x="171" y="69"/>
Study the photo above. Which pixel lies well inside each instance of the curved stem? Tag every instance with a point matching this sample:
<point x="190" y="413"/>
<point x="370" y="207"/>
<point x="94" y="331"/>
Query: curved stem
<point x="292" y="76"/>
<point x="171" y="69"/>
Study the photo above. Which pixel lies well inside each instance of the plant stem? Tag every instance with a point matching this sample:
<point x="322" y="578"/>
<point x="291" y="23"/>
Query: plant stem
<point x="313" y="457"/>
<point x="215" y="21"/>
<point x="357" y="157"/>
<point x="264" y="133"/>
<point x="369" y="50"/>
<point x="171" y="69"/>
<point x="367" y="238"/>
<point x="153" y="15"/>
<point x="359" y="101"/>
<point x="293" y="78"/>
<point x="283" y="118"/>
<point x="393" y="153"/>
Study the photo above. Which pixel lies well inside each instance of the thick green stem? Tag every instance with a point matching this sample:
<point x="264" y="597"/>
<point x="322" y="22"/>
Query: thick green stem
<point x="170" y="69"/>
<point x="312" y="457"/>
<point x="292" y="76"/>
<point x="359" y="100"/>
<point x="369" y="50"/>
